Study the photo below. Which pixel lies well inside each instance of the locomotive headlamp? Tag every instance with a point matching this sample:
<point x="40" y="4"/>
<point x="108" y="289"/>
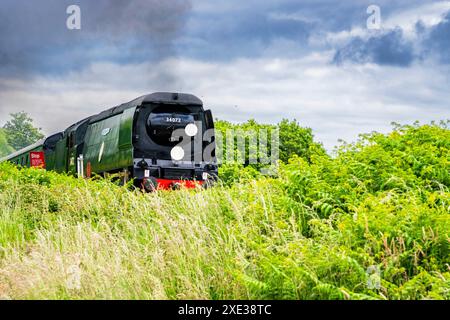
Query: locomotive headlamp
<point x="177" y="153"/>
<point x="143" y="164"/>
<point x="191" y="129"/>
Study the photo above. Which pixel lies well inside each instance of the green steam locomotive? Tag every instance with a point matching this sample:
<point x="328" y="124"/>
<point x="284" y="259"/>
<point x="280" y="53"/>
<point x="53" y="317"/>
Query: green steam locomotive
<point x="160" y="141"/>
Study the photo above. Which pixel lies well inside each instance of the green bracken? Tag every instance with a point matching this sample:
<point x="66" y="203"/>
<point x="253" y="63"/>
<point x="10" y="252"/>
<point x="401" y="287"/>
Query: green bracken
<point x="372" y="222"/>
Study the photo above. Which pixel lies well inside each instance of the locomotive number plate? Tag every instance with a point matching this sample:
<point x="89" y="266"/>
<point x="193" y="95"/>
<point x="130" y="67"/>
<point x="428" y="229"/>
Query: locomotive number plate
<point x="173" y="120"/>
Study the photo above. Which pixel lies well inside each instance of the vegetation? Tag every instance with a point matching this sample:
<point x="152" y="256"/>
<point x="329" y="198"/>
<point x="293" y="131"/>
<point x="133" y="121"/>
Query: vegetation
<point x="373" y="222"/>
<point x="5" y="148"/>
<point x="294" y="141"/>
<point x="20" y="131"/>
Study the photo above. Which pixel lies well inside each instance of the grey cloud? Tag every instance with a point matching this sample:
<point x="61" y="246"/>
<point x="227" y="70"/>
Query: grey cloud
<point x="391" y="48"/>
<point x="437" y="41"/>
<point x="385" y="49"/>
<point x="34" y="37"/>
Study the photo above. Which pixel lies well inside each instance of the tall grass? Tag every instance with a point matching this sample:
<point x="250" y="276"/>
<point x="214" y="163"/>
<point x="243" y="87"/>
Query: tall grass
<point x="314" y="232"/>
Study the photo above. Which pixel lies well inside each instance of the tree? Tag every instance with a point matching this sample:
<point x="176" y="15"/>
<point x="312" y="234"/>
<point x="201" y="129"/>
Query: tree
<point x="20" y="131"/>
<point x="5" y="148"/>
<point x="296" y="140"/>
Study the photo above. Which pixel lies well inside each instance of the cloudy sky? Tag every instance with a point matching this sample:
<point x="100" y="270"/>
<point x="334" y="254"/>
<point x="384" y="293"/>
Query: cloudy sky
<point x="313" y="60"/>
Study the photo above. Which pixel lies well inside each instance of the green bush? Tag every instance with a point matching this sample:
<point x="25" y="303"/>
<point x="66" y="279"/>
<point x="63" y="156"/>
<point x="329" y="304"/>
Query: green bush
<point x="294" y="141"/>
<point x="5" y="148"/>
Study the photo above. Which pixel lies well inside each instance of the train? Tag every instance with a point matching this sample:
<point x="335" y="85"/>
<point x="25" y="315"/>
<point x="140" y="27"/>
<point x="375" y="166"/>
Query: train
<point x="162" y="140"/>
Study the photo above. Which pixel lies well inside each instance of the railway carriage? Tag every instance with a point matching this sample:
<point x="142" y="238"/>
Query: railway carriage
<point x="136" y="140"/>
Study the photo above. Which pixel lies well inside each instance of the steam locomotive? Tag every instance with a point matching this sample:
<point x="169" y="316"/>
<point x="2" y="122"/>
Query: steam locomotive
<point x="160" y="141"/>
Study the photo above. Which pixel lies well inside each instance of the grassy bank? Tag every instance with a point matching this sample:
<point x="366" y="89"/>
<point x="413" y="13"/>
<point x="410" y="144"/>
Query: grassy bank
<point x="371" y="223"/>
